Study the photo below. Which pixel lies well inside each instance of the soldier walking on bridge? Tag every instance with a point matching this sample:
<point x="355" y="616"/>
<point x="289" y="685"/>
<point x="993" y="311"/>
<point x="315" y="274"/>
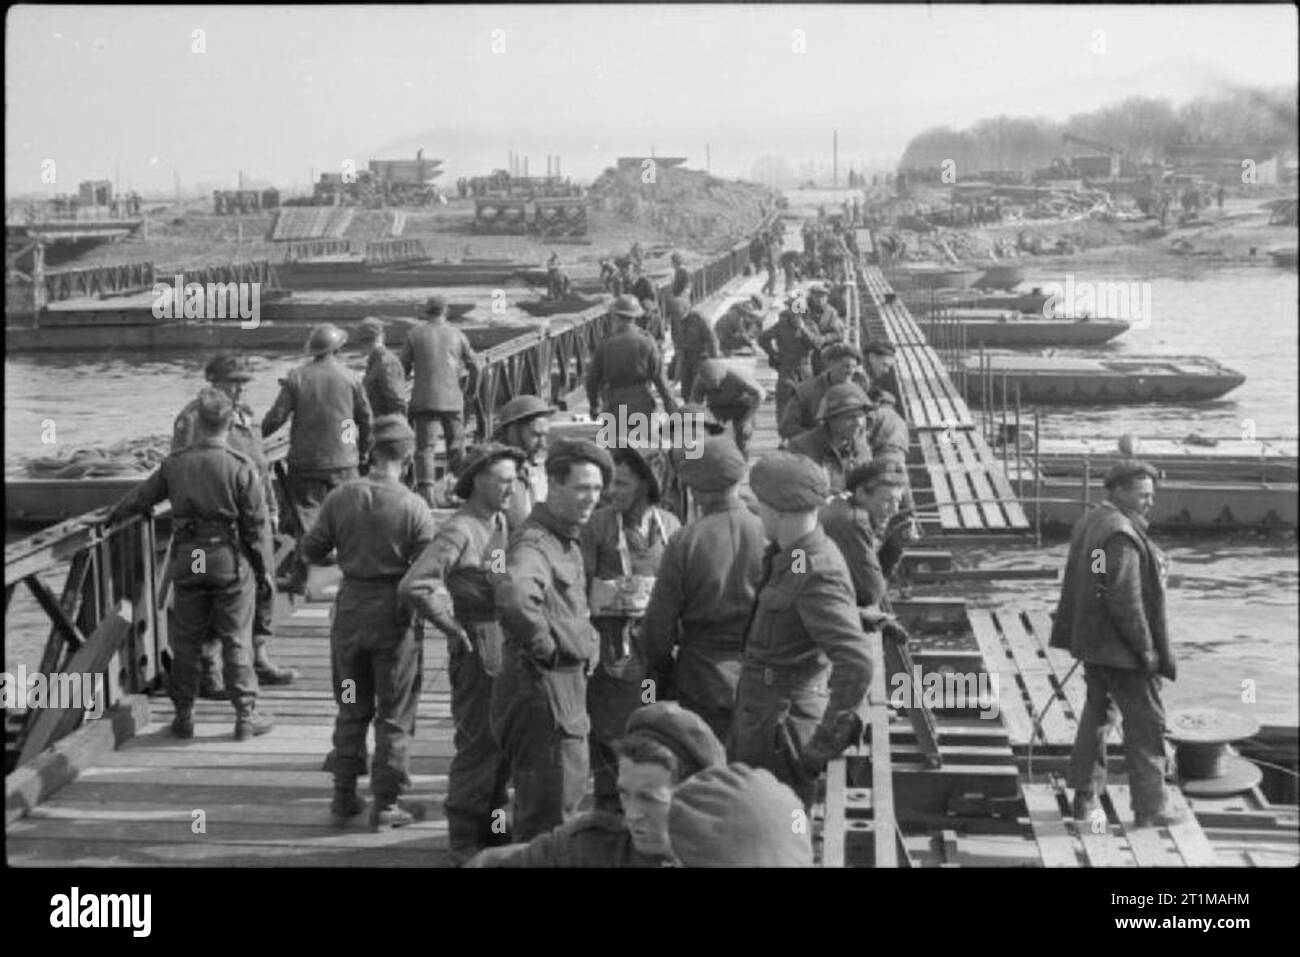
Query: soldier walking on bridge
<point x="795" y="340"/>
<point x="384" y="379"/>
<point x="379" y="528"/>
<point x="220" y="540"/>
<point x="624" y="366"/>
<point x="467" y="552"/>
<point x="228" y="373"/>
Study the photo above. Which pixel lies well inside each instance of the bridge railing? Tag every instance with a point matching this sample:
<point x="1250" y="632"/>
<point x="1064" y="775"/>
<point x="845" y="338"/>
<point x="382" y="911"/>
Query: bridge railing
<point x="99" y="281"/>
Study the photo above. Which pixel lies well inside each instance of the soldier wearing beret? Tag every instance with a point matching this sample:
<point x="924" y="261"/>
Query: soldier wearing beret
<point x="707" y="581"/>
<point x="220" y="544"/>
<point x="330" y="433"/>
<point x="622" y="545"/>
<point x="790" y="343"/>
<point x="731" y="395"/>
<point x="840" y="441"/>
<point x="384" y="379"/>
<point x="539" y="701"/>
<point x="737" y="816"/>
<point x="664" y="744"/>
<point x="624" y="367"/>
<point x="842" y="363"/>
<point x="865" y="529"/>
<point x="228" y="373"/>
<point x="378" y="528"/>
<point x="1111" y="616"/>
<point x="466" y="554"/>
<point x="806" y="666"/>
<point x="524" y="424"/>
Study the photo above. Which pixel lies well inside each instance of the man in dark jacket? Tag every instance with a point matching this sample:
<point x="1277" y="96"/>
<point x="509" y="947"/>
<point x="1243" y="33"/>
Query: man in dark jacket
<point x="384" y="379"/>
<point x="1111" y="616"/>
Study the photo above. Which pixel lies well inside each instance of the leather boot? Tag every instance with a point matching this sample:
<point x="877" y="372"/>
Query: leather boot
<point x="1085" y="806"/>
<point x="269" y="673"/>
<point x="388" y="814"/>
<point x="183" y="722"/>
<point x="252" y="722"/>
<point x="346" y="804"/>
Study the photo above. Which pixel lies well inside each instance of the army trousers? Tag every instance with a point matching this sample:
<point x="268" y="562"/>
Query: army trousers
<point x="222" y="615"/>
<point x="613" y="692"/>
<point x="777" y="712"/>
<point x="377" y="663"/>
<point x="424" y="422"/>
<point x="1135" y="698"/>
<point x="539" y="719"/>
<point x="707" y="676"/>
<point x="786" y="383"/>
<point x="476" y="781"/>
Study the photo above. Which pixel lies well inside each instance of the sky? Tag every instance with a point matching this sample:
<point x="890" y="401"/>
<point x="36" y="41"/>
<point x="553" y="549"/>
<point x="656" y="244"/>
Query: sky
<point x="284" y="93"/>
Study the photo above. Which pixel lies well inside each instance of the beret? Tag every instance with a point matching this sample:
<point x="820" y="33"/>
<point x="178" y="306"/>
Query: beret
<point x="840" y="350"/>
<point x="683" y="732"/>
<point x="227" y="366"/>
<point x="392" y="428"/>
<point x="633" y="459"/>
<point x="564" y="452"/>
<point x="878" y="472"/>
<point x="479" y="458"/>
<point x="1125" y="470"/>
<point x="738" y="816"/>
<point x="789" y="482"/>
<point x="215" y="408"/>
<point x="717" y="467"/>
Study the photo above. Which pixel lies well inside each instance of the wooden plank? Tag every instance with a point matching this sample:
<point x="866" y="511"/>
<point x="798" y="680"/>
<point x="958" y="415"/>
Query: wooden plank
<point x="1148" y="846"/>
<point x="996" y="661"/>
<point x="991" y="503"/>
<point x="1191" y="841"/>
<point x="948" y="515"/>
<point x="1001" y="484"/>
<point x="964" y="491"/>
<point x="424" y="852"/>
<point x="1055" y="845"/>
<point x="835" y="822"/>
<point x="882" y="779"/>
<point x="1033" y="671"/>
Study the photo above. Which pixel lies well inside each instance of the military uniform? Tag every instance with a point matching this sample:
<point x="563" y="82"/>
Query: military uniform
<point x="623" y="369"/>
<point x="385" y="382"/>
<point x="796" y="342"/>
<point x="829" y="326"/>
<point x="817" y="445"/>
<point x="801" y="411"/>
<point x="433" y="353"/>
<point x="595" y="839"/>
<point x="614" y="689"/>
<point x="871" y="558"/>
<point x="737" y="329"/>
<point x="539" y="701"/>
<point x="732" y="396"/>
<point x="220" y="542"/>
<point x="461" y="558"/>
<point x="704" y="591"/>
<point x="806" y="666"/>
<point x="378" y="528"/>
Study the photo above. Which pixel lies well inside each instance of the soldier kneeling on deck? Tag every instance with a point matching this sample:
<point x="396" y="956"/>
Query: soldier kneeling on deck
<point x="219" y="548"/>
<point x="379" y="528"/>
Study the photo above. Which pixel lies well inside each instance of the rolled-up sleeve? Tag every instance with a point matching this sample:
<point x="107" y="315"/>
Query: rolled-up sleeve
<point x="424" y="584"/>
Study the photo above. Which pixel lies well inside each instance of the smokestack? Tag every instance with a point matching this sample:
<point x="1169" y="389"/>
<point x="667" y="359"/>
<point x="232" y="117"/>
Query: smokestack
<point x="557" y="166"/>
<point x="525" y="167"/>
<point x="835" y="159"/>
<point x="548" y="165"/>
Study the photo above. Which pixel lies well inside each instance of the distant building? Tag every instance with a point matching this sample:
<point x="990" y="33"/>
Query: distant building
<point x="1225" y="161"/>
<point x="95" y="192"/>
<point x="663" y="162"/>
<point x="1097" y="167"/>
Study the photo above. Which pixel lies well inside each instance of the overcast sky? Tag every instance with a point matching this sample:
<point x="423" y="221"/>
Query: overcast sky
<point x="281" y="91"/>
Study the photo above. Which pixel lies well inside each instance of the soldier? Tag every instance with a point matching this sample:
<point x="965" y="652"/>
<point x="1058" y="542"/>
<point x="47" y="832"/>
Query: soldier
<point x="887" y="431"/>
<point x="840" y="442"/>
<point x="826" y="320"/>
<point x="651" y="322"/>
<point x="841" y="363"/>
<point x="791" y="268"/>
<point x="731" y="395"/>
<point x="705" y="588"/>
<point x="865" y="528"/>
<point x="539" y="701"/>
<point x="228" y="373"/>
<point x="694" y="342"/>
<point x="220" y="540"/>
<point x="558" y="285"/>
<point x="678" y="302"/>
<point x="384" y="380"/>
<point x="739" y="327"/>
<point x="433" y="354"/>
<point x="804" y="638"/>
<point x="524" y="424"/>
<point x="465" y="553"/>
<point x="664" y="744"/>
<point x="379" y="528"/>
<point x="624" y="366"/>
<point x="795" y="339"/>
<point x="1111" y="616"/>
<point x="329" y="434"/>
<point x="880" y="358"/>
<point x="737" y="816"/>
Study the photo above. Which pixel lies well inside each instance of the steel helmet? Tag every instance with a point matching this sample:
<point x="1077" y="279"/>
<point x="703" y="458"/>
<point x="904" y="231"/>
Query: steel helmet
<point x="845" y="397"/>
<point x="326" y="338"/>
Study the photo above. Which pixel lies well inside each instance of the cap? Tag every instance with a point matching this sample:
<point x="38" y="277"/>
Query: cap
<point x="434" y="306"/>
<point x="522" y="407"/>
<point x="371" y="327"/>
<point x="683" y="732"/>
<point x="840" y="350"/>
<point x="326" y="338"/>
<point x="626" y="305"/>
<point x="789" y="482"/>
<point x="479" y="458"/>
<point x="845" y="397"/>
<point x="228" y="367"/>
<point x="392" y="429"/>
<point x="215" y="408"/>
<point x="878" y="348"/>
<point x="738" y="816"/>
<point x="633" y="459"/>
<point x="1125" y="470"/>
<point x="874" y="473"/>
<point x="718" y="466"/>
<point x="564" y="452"/>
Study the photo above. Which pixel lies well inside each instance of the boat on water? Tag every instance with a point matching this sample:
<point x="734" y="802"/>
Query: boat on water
<point x="1003" y="329"/>
<point x="1071" y="380"/>
<point x="1001" y="276"/>
<point x="931" y="276"/>
<point x="556" y="307"/>
<point x="341" y="273"/>
<point x="1286" y="258"/>
<point x="1029" y="303"/>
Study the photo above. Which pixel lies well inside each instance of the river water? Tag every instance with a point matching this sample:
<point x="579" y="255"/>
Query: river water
<point x="1233" y="606"/>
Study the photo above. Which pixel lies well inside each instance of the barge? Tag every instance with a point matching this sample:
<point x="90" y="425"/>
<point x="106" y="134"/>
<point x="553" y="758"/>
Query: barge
<point x="1001" y="276"/>
<point x="1069" y="380"/>
<point x="1004" y="329"/>
<point x="358" y="274"/>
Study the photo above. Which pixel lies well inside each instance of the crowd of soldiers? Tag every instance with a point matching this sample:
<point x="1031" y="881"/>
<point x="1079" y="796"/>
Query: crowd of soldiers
<point x="682" y="626"/>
